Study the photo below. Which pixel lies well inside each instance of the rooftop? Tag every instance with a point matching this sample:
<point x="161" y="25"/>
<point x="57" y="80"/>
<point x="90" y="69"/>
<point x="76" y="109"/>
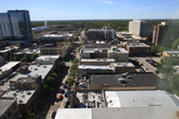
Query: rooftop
<point x="96" y="67"/>
<point x="73" y="114"/>
<point x="35" y="70"/>
<point x="153" y="98"/>
<point x="137" y="44"/>
<point x="90" y="99"/>
<point x="98" y="60"/>
<point x="111" y="49"/>
<point x="122" y="64"/>
<point x="48" y="57"/>
<point x="125" y="80"/>
<point x="8" y="66"/>
<point x="129" y="37"/>
<point x="119" y="113"/>
<point x="101" y="45"/>
<point x="28" y="51"/>
<point x="22" y="96"/>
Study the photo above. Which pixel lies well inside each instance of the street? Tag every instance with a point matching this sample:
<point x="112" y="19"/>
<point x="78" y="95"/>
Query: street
<point x="59" y="104"/>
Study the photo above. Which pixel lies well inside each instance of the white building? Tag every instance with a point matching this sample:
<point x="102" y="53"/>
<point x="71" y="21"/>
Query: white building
<point x="119" y="54"/>
<point x="151" y="98"/>
<point x="138" y="27"/>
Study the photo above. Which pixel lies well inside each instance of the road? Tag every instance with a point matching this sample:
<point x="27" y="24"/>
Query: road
<point x="59" y="104"/>
<point x="162" y="84"/>
<point x="146" y="66"/>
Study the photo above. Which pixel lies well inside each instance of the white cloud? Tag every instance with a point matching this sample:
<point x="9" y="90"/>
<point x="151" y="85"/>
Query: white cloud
<point x="108" y="2"/>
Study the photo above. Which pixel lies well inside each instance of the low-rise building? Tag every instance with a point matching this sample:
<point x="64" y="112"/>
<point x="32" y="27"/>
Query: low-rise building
<point x="126" y="36"/>
<point x="7" y="52"/>
<point x="37" y="71"/>
<point x="137" y="48"/>
<point x="24" y="83"/>
<point x="123" y="81"/>
<point x="98" y="61"/>
<point x="148" y="98"/>
<point x="8" y="68"/>
<point x="24" y="97"/>
<point x="100" y="34"/>
<point x="119" y="54"/>
<point x="170" y="53"/>
<point x="90" y="99"/>
<point x="86" y="70"/>
<point x="122" y="67"/>
<point x="9" y="109"/>
<point x="27" y="51"/>
<point x="59" y="49"/>
<point x="119" y="113"/>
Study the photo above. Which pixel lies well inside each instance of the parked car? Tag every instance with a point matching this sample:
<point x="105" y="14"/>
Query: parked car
<point x="53" y="114"/>
<point x="60" y="97"/>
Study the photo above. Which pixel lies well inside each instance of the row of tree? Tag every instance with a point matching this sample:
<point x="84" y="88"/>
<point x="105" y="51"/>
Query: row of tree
<point x="118" y="25"/>
<point x="167" y="68"/>
<point x="73" y="72"/>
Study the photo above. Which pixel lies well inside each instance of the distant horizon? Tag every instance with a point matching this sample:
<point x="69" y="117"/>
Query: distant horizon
<point x="94" y="9"/>
<point x="102" y="19"/>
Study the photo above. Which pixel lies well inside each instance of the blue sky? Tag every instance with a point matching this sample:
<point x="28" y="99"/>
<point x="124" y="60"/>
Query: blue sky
<point x="94" y="9"/>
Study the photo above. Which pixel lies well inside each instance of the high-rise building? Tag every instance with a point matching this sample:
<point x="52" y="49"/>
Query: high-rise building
<point x="5" y="26"/>
<point x="166" y="33"/>
<point x="138" y="27"/>
<point x="158" y="32"/>
<point x="15" y="25"/>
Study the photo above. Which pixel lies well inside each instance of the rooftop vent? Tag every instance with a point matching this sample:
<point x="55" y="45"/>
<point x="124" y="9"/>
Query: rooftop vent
<point x="20" y="101"/>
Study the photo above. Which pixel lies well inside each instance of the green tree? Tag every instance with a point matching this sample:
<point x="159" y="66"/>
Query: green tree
<point x="175" y="44"/>
<point x="33" y="57"/>
<point x="54" y="75"/>
<point x="24" y="59"/>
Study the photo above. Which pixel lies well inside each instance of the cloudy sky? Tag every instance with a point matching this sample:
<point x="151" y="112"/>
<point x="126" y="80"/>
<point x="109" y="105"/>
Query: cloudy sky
<point x="94" y="9"/>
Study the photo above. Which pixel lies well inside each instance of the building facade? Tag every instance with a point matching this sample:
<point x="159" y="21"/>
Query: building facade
<point x="15" y="25"/>
<point x="9" y="109"/>
<point x="158" y="32"/>
<point x="100" y="34"/>
<point x="138" y="27"/>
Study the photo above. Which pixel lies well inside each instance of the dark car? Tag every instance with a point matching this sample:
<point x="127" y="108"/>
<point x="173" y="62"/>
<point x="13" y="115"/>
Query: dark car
<point x="53" y="114"/>
<point x="61" y="91"/>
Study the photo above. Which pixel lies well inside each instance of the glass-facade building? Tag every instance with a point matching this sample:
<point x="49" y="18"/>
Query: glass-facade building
<point x="15" y="25"/>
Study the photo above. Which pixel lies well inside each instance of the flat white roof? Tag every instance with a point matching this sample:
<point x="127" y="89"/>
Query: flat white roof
<point x="140" y="99"/>
<point x="92" y="50"/>
<point x="98" y="60"/>
<point x="47" y="57"/>
<point x="35" y="71"/>
<point x="123" y="64"/>
<point x="53" y="35"/>
<point x="9" y="65"/>
<point x="22" y="96"/>
<point x="119" y="113"/>
<point x="73" y="114"/>
<point x="96" y="67"/>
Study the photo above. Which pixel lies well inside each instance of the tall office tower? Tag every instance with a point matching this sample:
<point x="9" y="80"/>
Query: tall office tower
<point x="15" y="25"/>
<point x="5" y="26"/>
<point x="167" y="33"/>
<point x="139" y="28"/>
<point x="21" y="25"/>
<point x="158" y="32"/>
